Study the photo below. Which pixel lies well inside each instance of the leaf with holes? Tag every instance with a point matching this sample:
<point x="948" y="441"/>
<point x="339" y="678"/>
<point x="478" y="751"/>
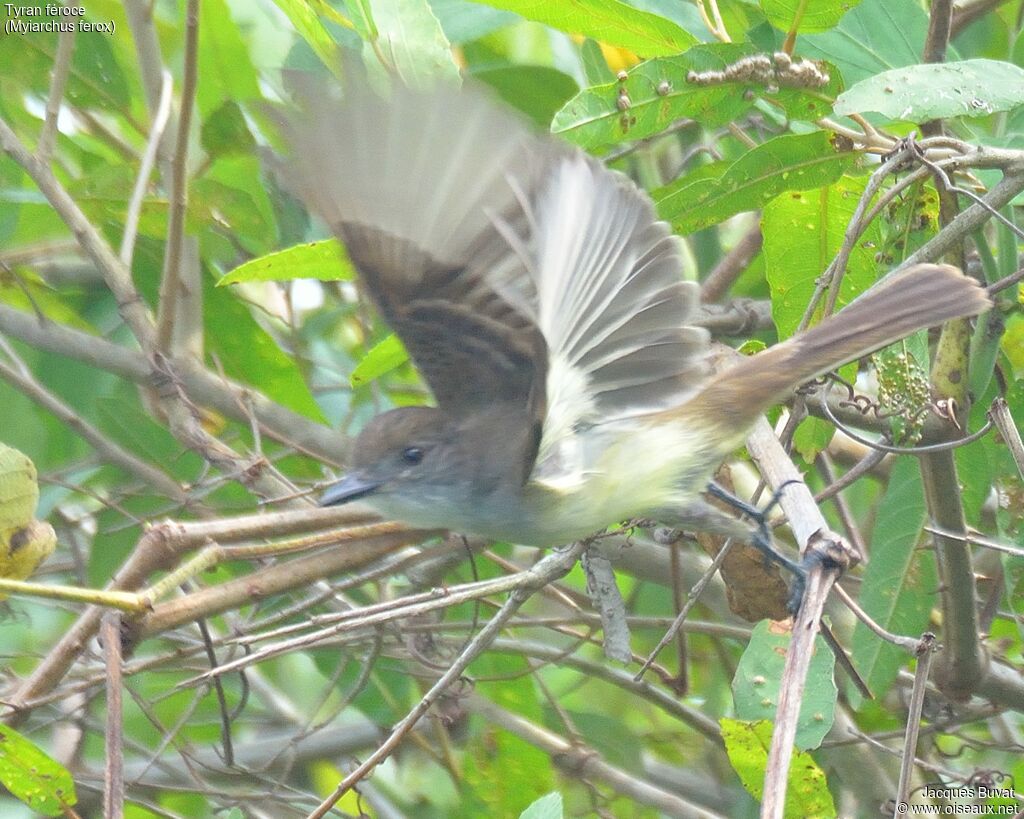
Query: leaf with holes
<point x="32" y="776"/>
<point x="794" y="162"/>
<point x="918" y="93"/>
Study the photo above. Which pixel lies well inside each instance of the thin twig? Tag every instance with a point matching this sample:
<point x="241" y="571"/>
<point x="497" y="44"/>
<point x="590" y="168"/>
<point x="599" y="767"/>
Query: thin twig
<point x="117" y="276"/>
<point x="969" y="220"/>
<point x="921" y="449"/>
<point x="855" y="472"/>
<point x="58" y="81"/>
<point x="202" y="386"/>
<point x="113" y="784"/>
<point x="940" y="18"/>
<point x="19" y="377"/>
<point x="999" y="412"/>
<point x="846" y="515"/>
<point x="968" y="11"/>
<point x="815" y="537"/>
<point x="1006" y="282"/>
<point x="713" y="20"/>
<point x="977" y="539"/>
<point x="717" y="283"/>
<point x="907" y="643"/>
<point x="159" y="547"/>
<point x="139" y="14"/>
<point x="831" y="280"/>
<point x="156" y="132"/>
<point x="373" y="615"/>
<point x="691" y="600"/>
<point x="633" y="147"/>
<point x="925" y="649"/>
<point x="549" y="568"/>
<point x="580" y="761"/>
<point x="174" y="277"/>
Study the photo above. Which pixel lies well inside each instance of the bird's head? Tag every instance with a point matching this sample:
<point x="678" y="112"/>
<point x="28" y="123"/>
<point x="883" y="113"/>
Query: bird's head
<point x="431" y="470"/>
<point x="401" y="452"/>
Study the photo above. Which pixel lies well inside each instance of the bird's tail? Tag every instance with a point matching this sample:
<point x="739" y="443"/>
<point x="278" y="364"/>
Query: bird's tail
<point x="923" y="296"/>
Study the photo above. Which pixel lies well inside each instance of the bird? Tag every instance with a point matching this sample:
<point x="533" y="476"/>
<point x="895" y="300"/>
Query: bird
<point x="542" y="301"/>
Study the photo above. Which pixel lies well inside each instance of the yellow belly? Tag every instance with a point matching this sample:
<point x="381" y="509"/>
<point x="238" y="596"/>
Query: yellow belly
<point x="636" y="473"/>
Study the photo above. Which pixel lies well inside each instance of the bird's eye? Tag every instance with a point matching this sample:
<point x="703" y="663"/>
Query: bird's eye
<point x="412" y="455"/>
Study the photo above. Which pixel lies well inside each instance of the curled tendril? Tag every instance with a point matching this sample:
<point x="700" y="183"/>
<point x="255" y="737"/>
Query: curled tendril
<point x="897" y="450"/>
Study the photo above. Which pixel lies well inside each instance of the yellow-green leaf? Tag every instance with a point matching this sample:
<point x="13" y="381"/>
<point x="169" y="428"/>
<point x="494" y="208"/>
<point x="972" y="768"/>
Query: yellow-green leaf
<point x="383" y="358"/>
<point x="608" y="21"/>
<point x="324" y="260"/>
<point x="32" y="776"/>
<point x="747" y="743"/>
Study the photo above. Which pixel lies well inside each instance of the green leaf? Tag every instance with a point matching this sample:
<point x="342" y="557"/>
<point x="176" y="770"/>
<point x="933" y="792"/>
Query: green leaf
<point x="225" y="131"/>
<point x="747" y="743"/>
<point x="536" y="90"/>
<point x="595" y="66"/>
<point x="547" y="807"/>
<point x="755" y="687"/>
<point x="909" y="221"/>
<point x="875" y="36"/>
<point x="658" y="94"/>
<point x="411" y="39"/>
<point x="306" y="22"/>
<point x="794" y="162"/>
<point x="120" y="416"/>
<point x="802" y="232"/>
<point x="249" y="353"/>
<point x="96" y="78"/>
<point x="608" y="21"/>
<point x="1013" y="589"/>
<point x="32" y="776"/>
<point x="900" y="581"/>
<point x="325" y="260"/>
<point x="464" y="20"/>
<point x="510" y="772"/>
<point x="811" y="437"/>
<point x="232" y="196"/>
<point x="227" y="71"/>
<point x="50" y="443"/>
<point x="1012" y="343"/>
<point x="976" y="474"/>
<point x="806" y="15"/>
<point x="383" y="358"/>
<point x="918" y="93"/>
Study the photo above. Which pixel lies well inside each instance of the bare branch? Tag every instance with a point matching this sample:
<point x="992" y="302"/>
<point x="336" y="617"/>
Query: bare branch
<point x="58" y="81"/>
<point x="176" y="274"/>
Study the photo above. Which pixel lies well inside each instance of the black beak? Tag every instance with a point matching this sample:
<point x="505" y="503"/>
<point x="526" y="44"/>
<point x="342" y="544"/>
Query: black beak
<point x="349" y="488"/>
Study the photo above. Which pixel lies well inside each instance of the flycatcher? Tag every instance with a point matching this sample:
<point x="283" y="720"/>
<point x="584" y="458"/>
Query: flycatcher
<point x="542" y="301"/>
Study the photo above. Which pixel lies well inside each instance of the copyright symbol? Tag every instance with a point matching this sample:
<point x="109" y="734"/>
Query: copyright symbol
<point x="902" y="807"/>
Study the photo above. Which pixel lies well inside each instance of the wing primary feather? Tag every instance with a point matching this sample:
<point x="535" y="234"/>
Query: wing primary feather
<point x="430" y="192"/>
<point x="612" y="305"/>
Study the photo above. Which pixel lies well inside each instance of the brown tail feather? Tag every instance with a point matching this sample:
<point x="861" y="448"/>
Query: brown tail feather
<point x="923" y="296"/>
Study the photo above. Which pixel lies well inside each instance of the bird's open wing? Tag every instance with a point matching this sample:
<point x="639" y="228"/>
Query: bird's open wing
<point x="612" y="308"/>
<point x="414" y="186"/>
<point x="514" y="267"/>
